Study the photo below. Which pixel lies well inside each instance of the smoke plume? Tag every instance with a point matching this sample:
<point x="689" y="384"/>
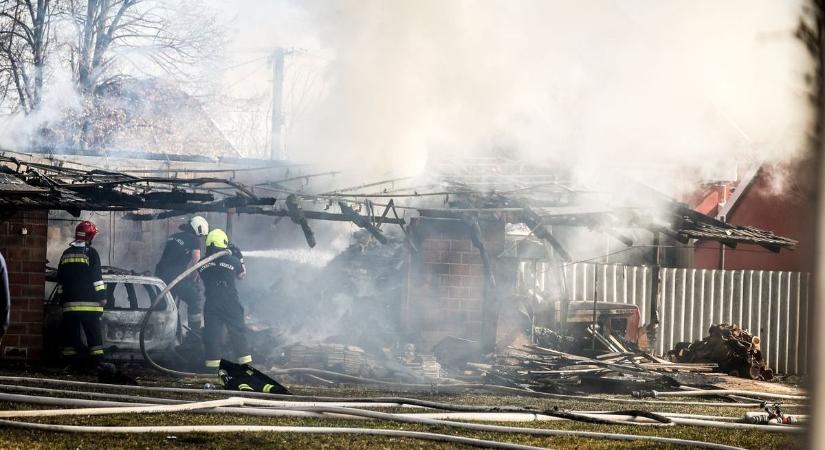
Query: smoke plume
<point x="700" y="85"/>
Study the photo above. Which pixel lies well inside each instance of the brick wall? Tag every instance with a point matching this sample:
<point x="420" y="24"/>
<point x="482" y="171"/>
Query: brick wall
<point x="25" y="256"/>
<point x="446" y="280"/>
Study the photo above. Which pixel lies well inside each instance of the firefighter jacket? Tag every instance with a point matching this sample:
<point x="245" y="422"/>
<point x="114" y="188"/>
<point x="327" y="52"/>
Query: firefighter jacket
<point x="79" y="278"/>
<point x="219" y="278"/>
<point x="177" y="254"/>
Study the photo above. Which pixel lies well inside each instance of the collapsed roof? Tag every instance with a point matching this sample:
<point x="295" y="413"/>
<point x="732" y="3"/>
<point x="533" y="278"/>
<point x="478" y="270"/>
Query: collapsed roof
<point x="541" y="198"/>
<point x="487" y="189"/>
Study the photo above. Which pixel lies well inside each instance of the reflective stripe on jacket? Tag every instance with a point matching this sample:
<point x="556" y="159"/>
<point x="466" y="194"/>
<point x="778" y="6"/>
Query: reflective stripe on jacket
<point x="82" y="307"/>
<point x="79" y="278"/>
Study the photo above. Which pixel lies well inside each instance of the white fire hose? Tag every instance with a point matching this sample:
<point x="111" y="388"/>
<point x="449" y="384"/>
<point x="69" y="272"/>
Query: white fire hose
<point x="472" y="413"/>
<point x="150" y="409"/>
<point x="454" y="411"/>
<point x="271" y="429"/>
<point x="406" y="400"/>
<point x="714" y="392"/>
<point x="351" y="410"/>
<point x="338" y="412"/>
<point x="157" y="300"/>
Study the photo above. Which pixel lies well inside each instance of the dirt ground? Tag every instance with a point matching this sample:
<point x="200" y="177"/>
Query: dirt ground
<point x="729" y="382"/>
<point x="24" y="439"/>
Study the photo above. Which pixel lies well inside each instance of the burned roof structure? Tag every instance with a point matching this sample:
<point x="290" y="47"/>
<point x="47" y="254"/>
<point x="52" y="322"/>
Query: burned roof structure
<point x="32" y="185"/>
<point x="542" y="198"/>
<point x="481" y="189"/>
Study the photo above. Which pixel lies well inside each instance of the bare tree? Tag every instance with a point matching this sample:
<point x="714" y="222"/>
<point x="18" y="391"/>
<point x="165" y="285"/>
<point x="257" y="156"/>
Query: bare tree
<point x="167" y="38"/>
<point x="118" y="39"/>
<point x="145" y="29"/>
<point x="107" y="45"/>
<point x="24" y="42"/>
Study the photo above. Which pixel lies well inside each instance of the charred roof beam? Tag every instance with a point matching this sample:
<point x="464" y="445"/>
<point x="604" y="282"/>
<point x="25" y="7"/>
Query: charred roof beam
<point x="296" y="214"/>
<point x="311" y="215"/>
<point x="362" y="222"/>
<point x="542" y="231"/>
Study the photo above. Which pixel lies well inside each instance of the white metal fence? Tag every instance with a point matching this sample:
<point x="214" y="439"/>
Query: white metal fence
<point x="773" y="305"/>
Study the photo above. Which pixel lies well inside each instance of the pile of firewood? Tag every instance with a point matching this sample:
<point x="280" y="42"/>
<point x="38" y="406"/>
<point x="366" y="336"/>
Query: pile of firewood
<point x="734" y="350"/>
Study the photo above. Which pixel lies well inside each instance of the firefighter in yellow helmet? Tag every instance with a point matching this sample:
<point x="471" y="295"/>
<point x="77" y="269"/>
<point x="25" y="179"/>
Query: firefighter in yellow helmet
<point x="222" y="309"/>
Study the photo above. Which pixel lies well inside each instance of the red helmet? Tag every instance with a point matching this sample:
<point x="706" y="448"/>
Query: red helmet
<point x="85" y="231"/>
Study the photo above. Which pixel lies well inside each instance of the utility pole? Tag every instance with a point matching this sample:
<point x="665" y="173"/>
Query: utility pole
<point x="275" y="151"/>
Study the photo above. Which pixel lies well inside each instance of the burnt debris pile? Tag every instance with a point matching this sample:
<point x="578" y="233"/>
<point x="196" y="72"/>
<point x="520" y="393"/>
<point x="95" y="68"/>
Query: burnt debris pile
<point x="734" y="350"/>
<point x="352" y="301"/>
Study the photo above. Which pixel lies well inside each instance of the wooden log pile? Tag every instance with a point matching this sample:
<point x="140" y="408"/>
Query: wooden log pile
<point x="733" y="349"/>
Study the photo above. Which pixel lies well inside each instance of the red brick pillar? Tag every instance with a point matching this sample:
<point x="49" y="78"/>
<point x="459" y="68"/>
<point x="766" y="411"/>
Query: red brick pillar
<point x="23" y="244"/>
<point x="446" y="281"/>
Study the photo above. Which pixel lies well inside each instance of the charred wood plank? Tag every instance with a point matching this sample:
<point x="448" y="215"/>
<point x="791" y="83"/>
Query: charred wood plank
<point x="359" y="220"/>
<point x="542" y="231"/>
<point x="177" y="197"/>
<point x="311" y="215"/>
<point x="298" y="218"/>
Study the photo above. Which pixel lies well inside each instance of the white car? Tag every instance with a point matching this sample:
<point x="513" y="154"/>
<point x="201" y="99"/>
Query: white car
<point x="128" y="298"/>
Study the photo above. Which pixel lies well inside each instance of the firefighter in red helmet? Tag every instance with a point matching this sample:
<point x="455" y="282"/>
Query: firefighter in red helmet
<point x="82" y="296"/>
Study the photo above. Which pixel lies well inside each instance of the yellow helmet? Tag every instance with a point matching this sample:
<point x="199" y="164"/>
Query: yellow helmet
<point x="218" y="238"/>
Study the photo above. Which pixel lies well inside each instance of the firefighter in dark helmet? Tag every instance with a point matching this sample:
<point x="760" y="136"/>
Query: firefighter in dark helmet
<point x="222" y="309"/>
<point x="181" y="251"/>
<point x="82" y="297"/>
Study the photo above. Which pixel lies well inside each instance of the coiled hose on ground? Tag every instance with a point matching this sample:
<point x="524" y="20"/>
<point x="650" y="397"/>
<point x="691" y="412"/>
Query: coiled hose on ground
<point x="154" y="304"/>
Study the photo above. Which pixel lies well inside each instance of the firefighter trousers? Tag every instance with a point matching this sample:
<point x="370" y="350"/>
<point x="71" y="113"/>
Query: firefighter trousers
<point x="75" y="325"/>
<point x="219" y="315"/>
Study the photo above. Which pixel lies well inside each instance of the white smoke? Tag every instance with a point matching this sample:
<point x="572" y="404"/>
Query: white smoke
<point x="20" y="131"/>
<point x="698" y="85"/>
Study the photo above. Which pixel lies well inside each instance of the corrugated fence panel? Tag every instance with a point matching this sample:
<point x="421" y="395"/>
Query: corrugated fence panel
<point x="764" y="324"/>
<point x="773" y="305"/>
<point x="803" y="323"/>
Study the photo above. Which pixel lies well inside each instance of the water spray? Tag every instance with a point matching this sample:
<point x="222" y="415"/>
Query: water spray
<point x="301" y="256"/>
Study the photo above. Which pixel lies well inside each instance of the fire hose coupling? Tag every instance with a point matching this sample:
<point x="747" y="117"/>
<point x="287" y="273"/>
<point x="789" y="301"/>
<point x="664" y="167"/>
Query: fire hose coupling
<point x="772" y="415"/>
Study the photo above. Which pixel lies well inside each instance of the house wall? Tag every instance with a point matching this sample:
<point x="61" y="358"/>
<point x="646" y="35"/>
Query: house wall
<point x="787" y="212"/>
<point x="25" y="255"/>
<point x="445" y="289"/>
